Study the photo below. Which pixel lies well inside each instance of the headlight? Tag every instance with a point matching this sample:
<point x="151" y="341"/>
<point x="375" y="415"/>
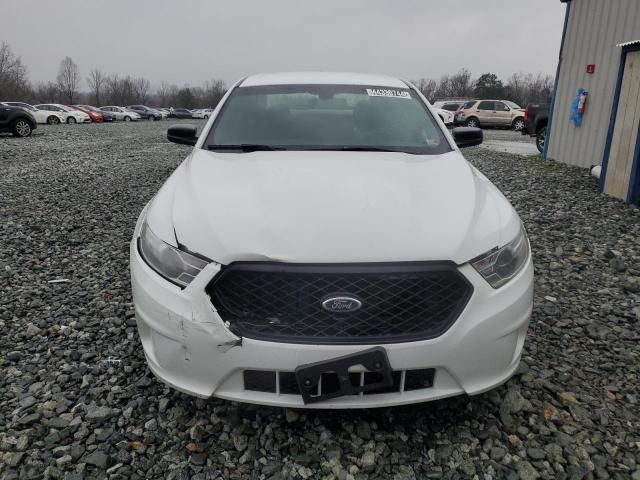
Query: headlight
<point x="172" y="263"/>
<point x="502" y="264"/>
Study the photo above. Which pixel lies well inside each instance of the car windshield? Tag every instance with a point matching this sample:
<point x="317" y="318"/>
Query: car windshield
<point x="326" y="117"/>
<point x="512" y="104"/>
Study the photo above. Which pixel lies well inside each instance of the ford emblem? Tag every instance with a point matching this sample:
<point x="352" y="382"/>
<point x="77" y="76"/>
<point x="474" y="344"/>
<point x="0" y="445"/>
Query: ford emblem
<point x="341" y="304"/>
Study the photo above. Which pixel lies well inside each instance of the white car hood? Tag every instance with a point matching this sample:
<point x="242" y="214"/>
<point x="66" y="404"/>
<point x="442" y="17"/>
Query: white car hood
<point x="331" y="207"/>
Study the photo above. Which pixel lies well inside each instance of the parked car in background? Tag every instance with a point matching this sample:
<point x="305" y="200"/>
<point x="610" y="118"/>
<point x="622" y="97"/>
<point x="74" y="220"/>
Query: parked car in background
<point x="536" y="116"/>
<point x="491" y="113"/>
<point x="314" y="314"/>
<point x="94" y="116"/>
<point x="108" y="116"/>
<point x="72" y="115"/>
<point x="181" y="113"/>
<point x="121" y="113"/>
<point x="146" y="112"/>
<point x="202" y="113"/>
<point x="450" y="105"/>
<point x="446" y="116"/>
<point x="17" y="120"/>
<point x="163" y="112"/>
<point x="41" y="116"/>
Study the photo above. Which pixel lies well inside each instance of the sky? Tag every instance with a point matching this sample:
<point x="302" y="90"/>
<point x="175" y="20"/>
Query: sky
<point x="190" y="41"/>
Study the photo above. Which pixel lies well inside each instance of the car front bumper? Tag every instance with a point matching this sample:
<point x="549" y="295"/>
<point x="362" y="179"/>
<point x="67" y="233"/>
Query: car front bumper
<point x="188" y="347"/>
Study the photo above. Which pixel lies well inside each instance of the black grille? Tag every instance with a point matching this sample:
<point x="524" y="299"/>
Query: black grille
<point x="283" y="302"/>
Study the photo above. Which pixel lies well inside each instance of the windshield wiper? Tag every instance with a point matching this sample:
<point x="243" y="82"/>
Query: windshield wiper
<point x="246" y="147"/>
<point x="365" y="148"/>
<point x="358" y="148"/>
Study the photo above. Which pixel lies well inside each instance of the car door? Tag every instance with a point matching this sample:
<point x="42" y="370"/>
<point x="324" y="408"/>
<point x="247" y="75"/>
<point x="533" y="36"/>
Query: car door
<point x="485" y="112"/>
<point x="4" y="115"/>
<point x="502" y="114"/>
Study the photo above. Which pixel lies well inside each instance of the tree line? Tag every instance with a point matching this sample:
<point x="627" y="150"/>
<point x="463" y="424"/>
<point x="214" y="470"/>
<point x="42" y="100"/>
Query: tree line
<point x="106" y="89"/>
<point x="101" y="88"/>
<point x="521" y="88"/>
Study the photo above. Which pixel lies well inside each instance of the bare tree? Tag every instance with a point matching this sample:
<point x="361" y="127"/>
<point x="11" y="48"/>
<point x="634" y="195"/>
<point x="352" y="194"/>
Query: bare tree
<point x="14" y="82"/>
<point x="68" y="78"/>
<point x="162" y="93"/>
<point x="460" y="84"/>
<point x="96" y="81"/>
<point x="427" y="87"/>
<point x="525" y="88"/>
<point x="141" y="88"/>
<point x="212" y="93"/>
<point x="46" y="92"/>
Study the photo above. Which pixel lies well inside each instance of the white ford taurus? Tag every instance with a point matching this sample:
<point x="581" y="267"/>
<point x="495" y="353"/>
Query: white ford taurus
<point x="325" y="244"/>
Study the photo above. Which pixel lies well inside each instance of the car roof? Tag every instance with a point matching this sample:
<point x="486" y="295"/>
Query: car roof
<point x="335" y="78"/>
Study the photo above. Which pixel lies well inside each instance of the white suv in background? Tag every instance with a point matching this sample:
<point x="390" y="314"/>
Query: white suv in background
<point x="69" y="114"/>
<point x="326" y="245"/>
<point x="41" y="116"/>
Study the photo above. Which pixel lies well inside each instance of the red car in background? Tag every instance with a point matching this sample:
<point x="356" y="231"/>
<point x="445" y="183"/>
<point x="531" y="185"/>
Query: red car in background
<point x="94" y="116"/>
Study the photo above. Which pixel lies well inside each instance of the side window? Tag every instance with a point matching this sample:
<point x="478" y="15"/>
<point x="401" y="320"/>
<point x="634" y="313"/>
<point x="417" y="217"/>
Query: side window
<point x="451" y="107"/>
<point x="469" y="104"/>
<point x="501" y="107"/>
<point x="486" y="105"/>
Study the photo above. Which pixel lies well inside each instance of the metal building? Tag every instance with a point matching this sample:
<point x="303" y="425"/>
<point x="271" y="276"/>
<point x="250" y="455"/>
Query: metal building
<point x="600" y="53"/>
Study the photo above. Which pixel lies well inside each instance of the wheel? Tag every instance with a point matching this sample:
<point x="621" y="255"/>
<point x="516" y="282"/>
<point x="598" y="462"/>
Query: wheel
<point x="518" y="124"/>
<point x="152" y="118"/>
<point x="127" y="118"/>
<point x="71" y="121"/>
<point x="53" y="120"/>
<point x="541" y="138"/>
<point x="473" y="122"/>
<point x="206" y="117"/>
<point x="21" y="128"/>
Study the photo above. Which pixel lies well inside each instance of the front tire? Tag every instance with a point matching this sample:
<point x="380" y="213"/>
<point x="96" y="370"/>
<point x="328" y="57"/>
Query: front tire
<point x="21" y="128"/>
<point x="53" y="120"/>
<point x="152" y="118"/>
<point x="127" y="118"/>
<point x="473" y="122"/>
<point x="71" y="121"/>
<point x="541" y="139"/>
<point x="518" y="124"/>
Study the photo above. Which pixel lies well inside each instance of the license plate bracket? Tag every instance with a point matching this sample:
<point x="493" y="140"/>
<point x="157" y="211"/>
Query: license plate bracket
<point x="373" y="360"/>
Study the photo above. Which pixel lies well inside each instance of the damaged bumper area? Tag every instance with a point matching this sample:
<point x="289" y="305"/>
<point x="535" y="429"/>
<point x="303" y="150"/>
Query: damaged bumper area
<point x="189" y="347"/>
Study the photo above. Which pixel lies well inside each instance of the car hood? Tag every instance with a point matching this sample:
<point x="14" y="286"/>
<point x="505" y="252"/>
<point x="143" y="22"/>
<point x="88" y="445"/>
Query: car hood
<point x="331" y="207"/>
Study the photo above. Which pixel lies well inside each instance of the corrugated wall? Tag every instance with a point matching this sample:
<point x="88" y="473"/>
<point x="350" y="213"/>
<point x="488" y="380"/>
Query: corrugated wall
<point x="594" y="29"/>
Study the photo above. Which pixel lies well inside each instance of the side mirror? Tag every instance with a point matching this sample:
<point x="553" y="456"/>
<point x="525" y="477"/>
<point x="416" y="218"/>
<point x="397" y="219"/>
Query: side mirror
<point x="183" y="134"/>
<point x="467" y="136"/>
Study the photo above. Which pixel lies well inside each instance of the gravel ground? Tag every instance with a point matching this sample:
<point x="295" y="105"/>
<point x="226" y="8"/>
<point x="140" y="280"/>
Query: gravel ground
<point x="507" y="135"/>
<point x="77" y="401"/>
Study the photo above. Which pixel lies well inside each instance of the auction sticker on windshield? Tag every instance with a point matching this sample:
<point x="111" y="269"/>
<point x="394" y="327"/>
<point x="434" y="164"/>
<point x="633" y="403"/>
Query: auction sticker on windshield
<point x="385" y="92"/>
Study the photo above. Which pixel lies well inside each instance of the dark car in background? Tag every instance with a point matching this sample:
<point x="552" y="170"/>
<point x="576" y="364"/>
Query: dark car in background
<point x="16" y="120"/>
<point x="93" y="111"/>
<point x="146" y="112"/>
<point x="536" y="117"/>
<point x="181" y="113"/>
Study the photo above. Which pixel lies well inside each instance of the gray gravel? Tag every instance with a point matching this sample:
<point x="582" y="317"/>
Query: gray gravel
<point x="77" y="401"/>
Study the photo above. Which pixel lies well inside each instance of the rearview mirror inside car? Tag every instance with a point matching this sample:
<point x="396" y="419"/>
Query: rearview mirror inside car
<point x="185" y="134"/>
<point x="467" y="136"/>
